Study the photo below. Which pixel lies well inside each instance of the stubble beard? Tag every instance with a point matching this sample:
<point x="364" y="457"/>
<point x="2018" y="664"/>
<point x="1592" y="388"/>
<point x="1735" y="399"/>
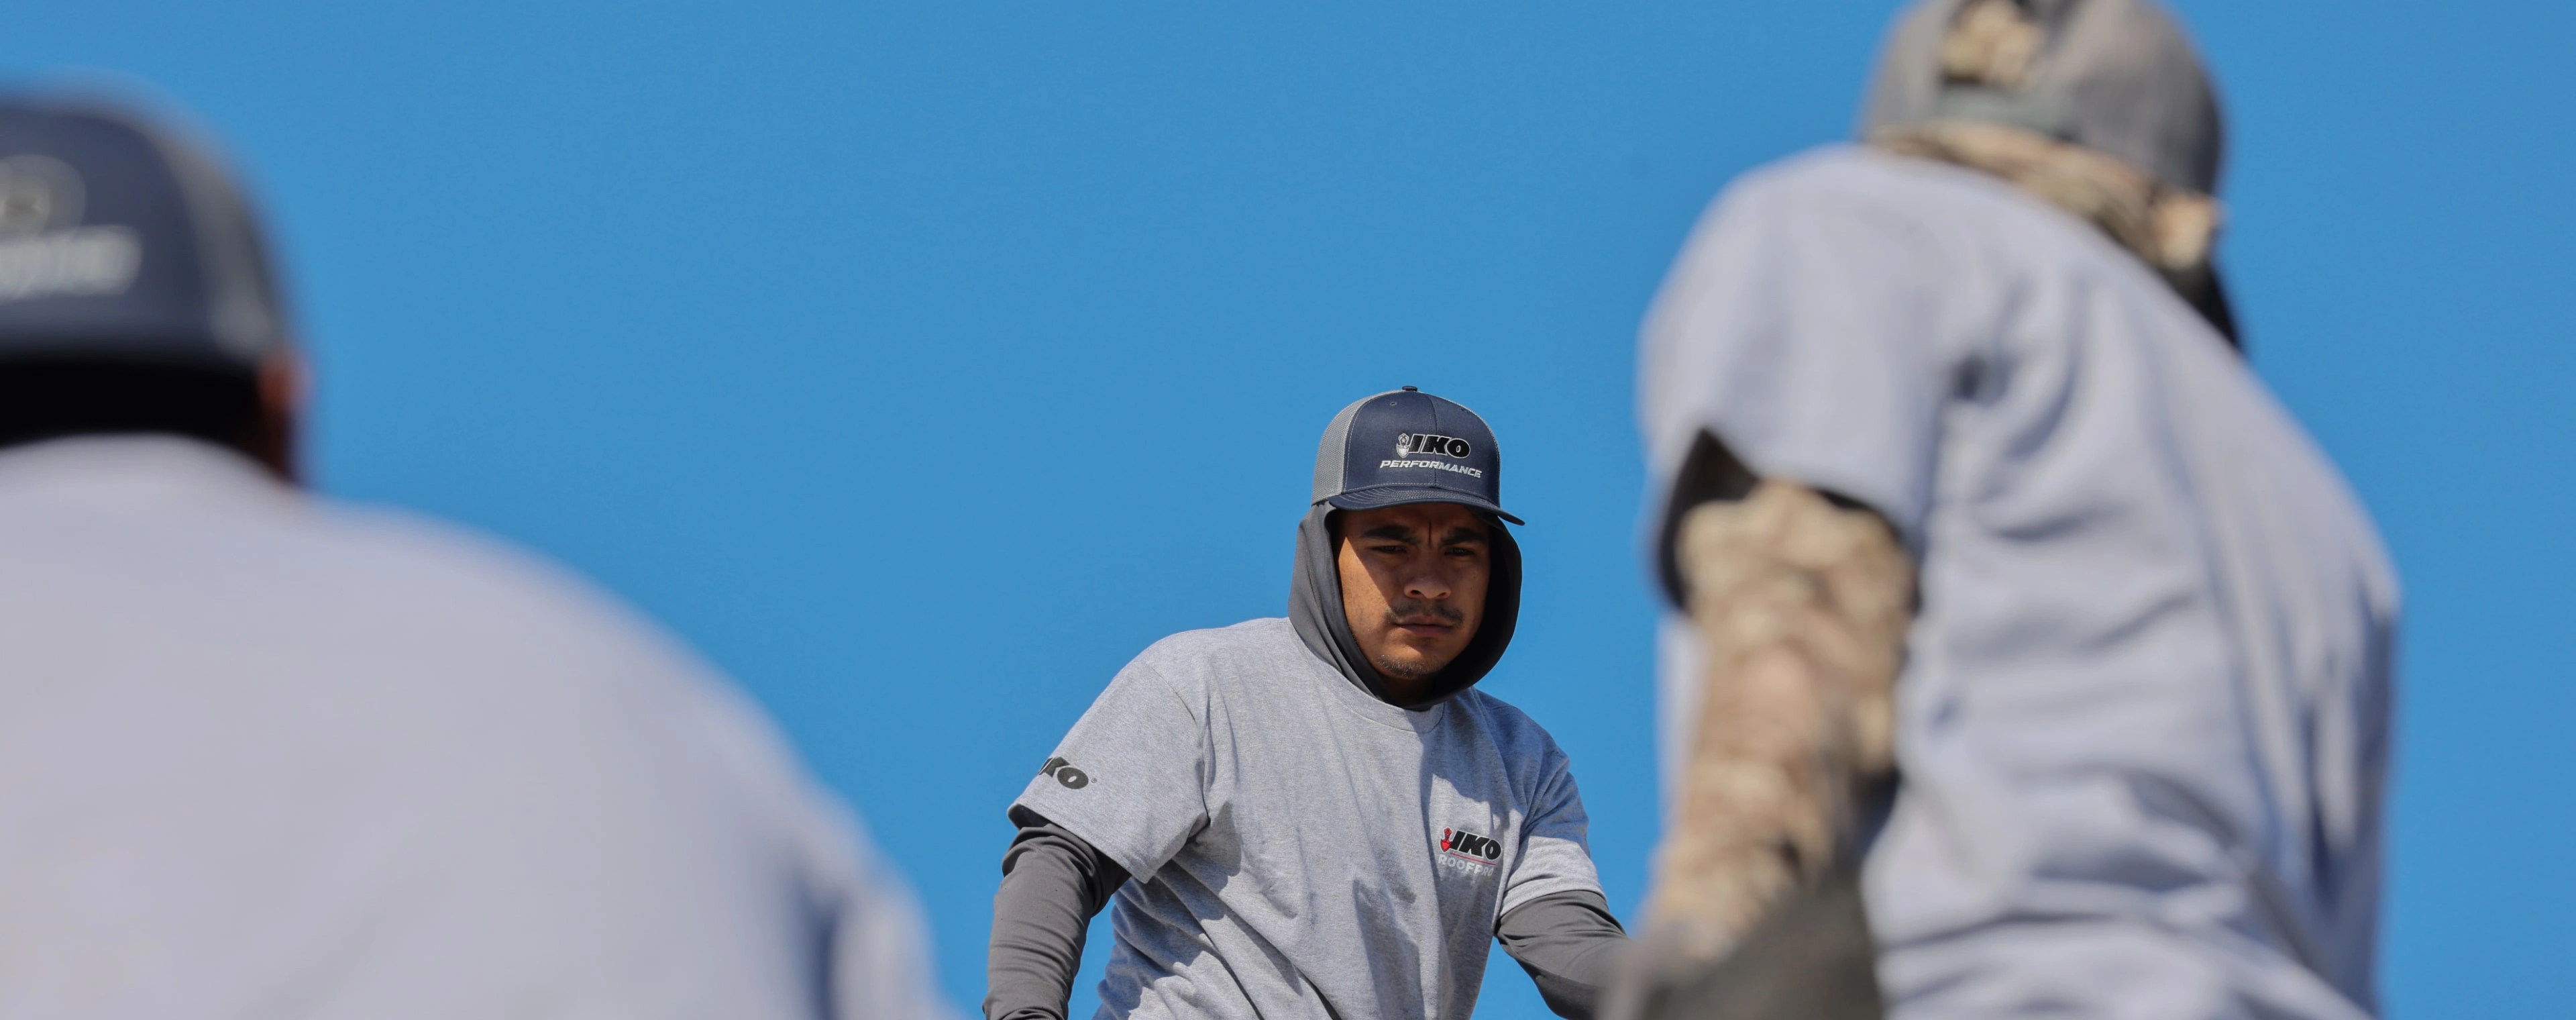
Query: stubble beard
<point x="1393" y="668"/>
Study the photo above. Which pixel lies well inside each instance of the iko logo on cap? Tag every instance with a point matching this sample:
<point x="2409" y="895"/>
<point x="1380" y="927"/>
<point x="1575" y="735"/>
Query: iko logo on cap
<point x="1414" y="444"/>
<point x="44" y="251"/>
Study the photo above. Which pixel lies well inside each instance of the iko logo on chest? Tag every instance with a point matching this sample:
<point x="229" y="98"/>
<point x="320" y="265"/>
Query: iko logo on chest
<point x="1468" y="846"/>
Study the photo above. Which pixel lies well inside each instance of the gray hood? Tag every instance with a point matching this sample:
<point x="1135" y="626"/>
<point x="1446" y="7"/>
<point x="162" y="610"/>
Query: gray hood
<point x="1315" y="608"/>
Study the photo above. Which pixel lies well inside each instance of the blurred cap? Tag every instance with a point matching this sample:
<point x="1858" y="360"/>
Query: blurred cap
<point x="1407" y="446"/>
<point x="120" y="241"/>
<point x="2119" y="77"/>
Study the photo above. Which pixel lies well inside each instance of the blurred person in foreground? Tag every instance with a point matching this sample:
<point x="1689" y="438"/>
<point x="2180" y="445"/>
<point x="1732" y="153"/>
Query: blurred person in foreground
<point x="1317" y="817"/>
<point x="264" y="756"/>
<point x="2025" y="638"/>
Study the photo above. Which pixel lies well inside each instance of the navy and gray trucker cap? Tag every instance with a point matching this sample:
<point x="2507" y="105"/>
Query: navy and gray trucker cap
<point x="1407" y="446"/>
<point x="119" y="241"/>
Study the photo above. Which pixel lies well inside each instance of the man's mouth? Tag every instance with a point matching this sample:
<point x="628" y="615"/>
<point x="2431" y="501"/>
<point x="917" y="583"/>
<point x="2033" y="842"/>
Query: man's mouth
<point x="1426" y="621"/>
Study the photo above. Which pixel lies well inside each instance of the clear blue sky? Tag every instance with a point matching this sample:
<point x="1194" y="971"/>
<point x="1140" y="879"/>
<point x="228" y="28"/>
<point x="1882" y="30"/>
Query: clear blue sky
<point x="921" y="364"/>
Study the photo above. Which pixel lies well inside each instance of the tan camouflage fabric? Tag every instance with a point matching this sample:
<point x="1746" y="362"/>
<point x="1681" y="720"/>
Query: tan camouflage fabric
<point x="1803" y="607"/>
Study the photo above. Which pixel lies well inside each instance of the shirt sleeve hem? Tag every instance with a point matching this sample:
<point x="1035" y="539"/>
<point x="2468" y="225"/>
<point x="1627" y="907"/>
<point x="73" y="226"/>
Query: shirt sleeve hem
<point x="1820" y="473"/>
<point x="1075" y="820"/>
<point x="1528" y="892"/>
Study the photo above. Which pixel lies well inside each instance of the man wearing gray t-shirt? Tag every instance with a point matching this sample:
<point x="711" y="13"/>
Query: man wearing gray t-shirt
<point x="1316" y="816"/>
<point x="1965" y="493"/>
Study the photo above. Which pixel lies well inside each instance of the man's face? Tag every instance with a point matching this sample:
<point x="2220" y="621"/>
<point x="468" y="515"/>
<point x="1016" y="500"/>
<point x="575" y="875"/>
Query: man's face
<point x="1413" y="587"/>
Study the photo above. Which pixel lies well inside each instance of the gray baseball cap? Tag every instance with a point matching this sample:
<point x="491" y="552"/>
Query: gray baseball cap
<point x="120" y="241"/>
<point x="2119" y="77"/>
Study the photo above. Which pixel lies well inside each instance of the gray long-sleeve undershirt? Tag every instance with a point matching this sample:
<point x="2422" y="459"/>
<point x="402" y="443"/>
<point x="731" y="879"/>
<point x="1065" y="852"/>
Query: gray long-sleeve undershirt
<point x="1053" y="883"/>
<point x="1570" y="945"/>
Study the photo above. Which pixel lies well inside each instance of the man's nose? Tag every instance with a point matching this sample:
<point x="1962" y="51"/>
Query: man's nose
<point x="1428" y="584"/>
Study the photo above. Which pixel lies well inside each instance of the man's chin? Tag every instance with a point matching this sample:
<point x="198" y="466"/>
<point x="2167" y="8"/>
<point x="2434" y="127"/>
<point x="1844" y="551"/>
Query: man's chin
<point x="1408" y="669"/>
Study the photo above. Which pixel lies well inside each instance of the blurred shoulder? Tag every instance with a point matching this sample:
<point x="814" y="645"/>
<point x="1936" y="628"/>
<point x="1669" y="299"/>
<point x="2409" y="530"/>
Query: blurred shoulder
<point x="412" y="580"/>
<point x="453" y="582"/>
<point x="578" y="663"/>
<point x="468" y="574"/>
<point x="1863" y="203"/>
<point x="104" y="516"/>
<point x="422" y="654"/>
<point x="1857" y="178"/>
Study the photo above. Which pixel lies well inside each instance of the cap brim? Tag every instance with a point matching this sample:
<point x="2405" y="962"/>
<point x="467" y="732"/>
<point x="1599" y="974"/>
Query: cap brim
<point x="1377" y="496"/>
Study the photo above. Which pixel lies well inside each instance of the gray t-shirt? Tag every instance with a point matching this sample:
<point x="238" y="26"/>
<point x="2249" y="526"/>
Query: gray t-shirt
<point x="2143" y="719"/>
<point x="261" y="756"/>
<point x="1299" y="848"/>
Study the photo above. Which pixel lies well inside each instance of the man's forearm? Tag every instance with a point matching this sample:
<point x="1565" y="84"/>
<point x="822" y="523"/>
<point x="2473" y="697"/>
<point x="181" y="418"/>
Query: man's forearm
<point x="1802" y="607"/>
<point x="1052" y="884"/>
<point x="1570" y="945"/>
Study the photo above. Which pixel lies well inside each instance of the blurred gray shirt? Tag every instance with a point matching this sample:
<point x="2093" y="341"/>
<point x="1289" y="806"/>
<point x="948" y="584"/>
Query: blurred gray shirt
<point x="2143" y="720"/>
<point x="263" y="757"/>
